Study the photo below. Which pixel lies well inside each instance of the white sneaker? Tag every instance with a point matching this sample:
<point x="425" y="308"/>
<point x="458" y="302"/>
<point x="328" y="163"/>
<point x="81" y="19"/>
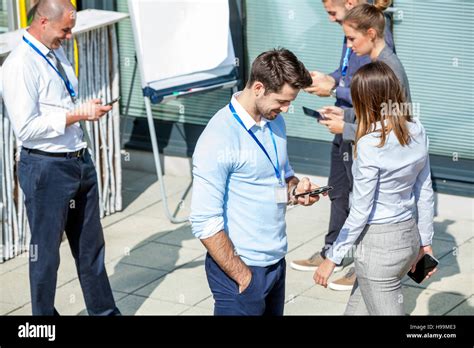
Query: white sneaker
<point x="346" y="283"/>
<point x="311" y="264"/>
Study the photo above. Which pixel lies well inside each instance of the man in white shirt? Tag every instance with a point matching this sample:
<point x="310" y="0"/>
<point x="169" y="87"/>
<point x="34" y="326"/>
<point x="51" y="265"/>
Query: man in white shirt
<point x="55" y="171"/>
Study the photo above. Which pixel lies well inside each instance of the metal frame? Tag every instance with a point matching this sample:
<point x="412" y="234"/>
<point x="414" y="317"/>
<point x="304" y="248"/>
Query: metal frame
<point x="13" y="20"/>
<point x="156" y="149"/>
<point x="154" y="141"/>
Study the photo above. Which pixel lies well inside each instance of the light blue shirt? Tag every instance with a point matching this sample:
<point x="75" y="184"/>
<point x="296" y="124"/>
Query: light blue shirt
<point x="391" y="184"/>
<point x="234" y="185"/>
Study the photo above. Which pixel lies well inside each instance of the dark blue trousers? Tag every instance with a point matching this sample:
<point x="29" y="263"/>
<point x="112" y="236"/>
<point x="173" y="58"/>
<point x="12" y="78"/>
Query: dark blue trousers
<point x="265" y="294"/>
<point x="340" y="177"/>
<point x="61" y="195"/>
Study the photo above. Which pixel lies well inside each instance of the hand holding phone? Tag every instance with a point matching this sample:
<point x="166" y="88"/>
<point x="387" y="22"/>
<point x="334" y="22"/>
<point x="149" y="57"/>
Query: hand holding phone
<point x="313" y="113"/>
<point x="423" y="267"/>
<point x="112" y="101"/>
<point x="316" y="192"/>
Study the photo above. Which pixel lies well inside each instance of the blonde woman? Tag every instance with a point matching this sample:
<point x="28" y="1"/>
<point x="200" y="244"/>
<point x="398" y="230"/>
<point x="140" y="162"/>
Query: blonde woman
<point x="391" y="218"/>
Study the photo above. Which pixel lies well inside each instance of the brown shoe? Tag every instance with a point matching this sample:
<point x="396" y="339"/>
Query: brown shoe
<point x="310" y="264"/>
<point x="345" y="283"/>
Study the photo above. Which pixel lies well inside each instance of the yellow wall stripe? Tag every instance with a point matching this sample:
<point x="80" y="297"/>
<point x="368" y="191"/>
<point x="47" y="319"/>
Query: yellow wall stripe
<point x="23" y="19"/>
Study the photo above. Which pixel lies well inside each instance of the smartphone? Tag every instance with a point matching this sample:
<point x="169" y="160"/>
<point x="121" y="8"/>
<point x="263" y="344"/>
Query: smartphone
<point x="313" y="113"/>
<point x="318" y="191"/>
<point x="424" y="266"/>
<point x="113" y="101"/>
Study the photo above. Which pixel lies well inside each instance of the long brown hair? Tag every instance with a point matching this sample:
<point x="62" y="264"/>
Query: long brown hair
<point x="365" y="16"/>
<point x="378" y="96"/>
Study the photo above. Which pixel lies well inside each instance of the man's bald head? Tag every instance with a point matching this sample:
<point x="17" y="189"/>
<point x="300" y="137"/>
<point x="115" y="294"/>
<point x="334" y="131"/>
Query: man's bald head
<point x="53" y="22"/>
<point x="53" y="9"/>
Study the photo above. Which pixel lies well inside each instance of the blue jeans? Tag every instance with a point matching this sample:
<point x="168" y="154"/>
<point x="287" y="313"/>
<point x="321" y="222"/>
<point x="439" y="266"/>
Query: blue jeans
<point x="61" y="195"/>
<point x="265" y="295"/>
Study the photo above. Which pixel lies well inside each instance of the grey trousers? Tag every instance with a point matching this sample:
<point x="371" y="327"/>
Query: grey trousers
<point x="383" y="256"/>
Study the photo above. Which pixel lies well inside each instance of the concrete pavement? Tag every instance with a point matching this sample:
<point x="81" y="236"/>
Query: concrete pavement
<point x="157" y="268"/>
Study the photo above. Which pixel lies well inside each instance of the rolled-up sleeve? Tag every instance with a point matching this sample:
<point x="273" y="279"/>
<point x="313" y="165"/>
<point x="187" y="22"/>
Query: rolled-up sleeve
<point x="366" y="178"/>
<point x="336" y="75"/>
<point x="425" y="204"/>
<point x="210" y="172"/>
<point x="21" y="96"/>
<point x="344" y="93"/>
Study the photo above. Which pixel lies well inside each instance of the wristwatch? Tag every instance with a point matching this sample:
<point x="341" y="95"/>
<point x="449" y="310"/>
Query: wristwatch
<point x="291" y="198"/>
<point x="333" y="92"/>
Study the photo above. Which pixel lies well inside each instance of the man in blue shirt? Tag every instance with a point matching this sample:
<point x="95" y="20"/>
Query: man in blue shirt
<point x="243" y="182"/>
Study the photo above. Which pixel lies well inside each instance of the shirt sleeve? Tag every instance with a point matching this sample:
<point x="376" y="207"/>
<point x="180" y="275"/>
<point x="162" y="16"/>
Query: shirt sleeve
<point x="21" y="95"/>
<point x="349" y="132"/>
<point x="289" y="172"/>
<point x="424" y="198"/>
<point x="350" y="127"/>
<point x="211" y="169"/>
<point x="344" y="93"/>
<point x="366" y="178"/>
<point x="336" y="74"/>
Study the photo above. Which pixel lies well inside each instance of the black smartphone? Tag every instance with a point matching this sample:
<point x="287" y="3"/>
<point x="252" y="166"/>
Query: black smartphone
<point x="313" y="113"/>
<point x="424" y="266"/>
<point x="112" y="101"/>
<point x="316" y="192"/>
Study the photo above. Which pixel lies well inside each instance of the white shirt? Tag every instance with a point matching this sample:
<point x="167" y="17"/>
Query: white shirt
<point x="37" y="100"/>
<point x="392" y="184"/>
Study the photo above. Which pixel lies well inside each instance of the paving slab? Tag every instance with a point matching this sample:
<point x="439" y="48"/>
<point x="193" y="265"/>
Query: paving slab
<point x="303" y="305"/>
<point x="138" y="305"/>
<point x="185" y="286"/>
<point x="464" y="308"/>
<point x="129" y="278"/>
<point x="161" y="256"/>
<point x="157" y="267"/>
<point x="429" y="302"/>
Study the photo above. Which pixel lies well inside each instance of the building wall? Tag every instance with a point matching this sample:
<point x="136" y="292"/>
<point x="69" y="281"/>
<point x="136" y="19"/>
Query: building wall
<point x="435" y="43"/>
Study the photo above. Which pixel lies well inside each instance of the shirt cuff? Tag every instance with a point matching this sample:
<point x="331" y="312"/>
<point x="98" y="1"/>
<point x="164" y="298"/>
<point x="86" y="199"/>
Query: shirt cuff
<point x="337" y="254"/>
<point x="348" y="115"/>
<point x="289" y="174"/>
<point x="349" y="131"/>
<point x="208" y="228"/>
<point x="426" y="239"/>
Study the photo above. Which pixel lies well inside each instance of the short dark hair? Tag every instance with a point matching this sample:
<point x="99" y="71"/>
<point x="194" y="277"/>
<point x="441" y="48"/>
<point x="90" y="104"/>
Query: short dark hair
<point x="276" y="67"/>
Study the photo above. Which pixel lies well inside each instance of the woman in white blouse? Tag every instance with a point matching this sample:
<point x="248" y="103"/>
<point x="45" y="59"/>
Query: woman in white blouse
<point x="390" y="225"/>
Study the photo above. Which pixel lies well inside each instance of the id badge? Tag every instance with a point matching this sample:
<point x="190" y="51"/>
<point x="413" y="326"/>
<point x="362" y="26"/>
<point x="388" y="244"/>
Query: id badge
<point x="341" y="82"/>
<point x="281" y="194"/>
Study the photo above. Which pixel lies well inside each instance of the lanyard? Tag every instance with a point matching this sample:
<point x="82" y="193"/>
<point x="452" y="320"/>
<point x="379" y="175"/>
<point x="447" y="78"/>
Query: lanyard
<point x="275" y="168"/>
<point x="345" y="62"/>
<point x="68" y="84"/>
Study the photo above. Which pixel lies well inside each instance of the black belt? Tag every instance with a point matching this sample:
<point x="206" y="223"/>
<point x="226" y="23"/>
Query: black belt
<point x="78" y="153"/>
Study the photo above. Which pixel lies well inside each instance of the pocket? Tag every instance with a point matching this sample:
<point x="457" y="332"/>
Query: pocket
<point x="29" y="174"/>
<point x="218" y="280"/>
<point x="39" y="178"/>
<point x="250" y="287"/>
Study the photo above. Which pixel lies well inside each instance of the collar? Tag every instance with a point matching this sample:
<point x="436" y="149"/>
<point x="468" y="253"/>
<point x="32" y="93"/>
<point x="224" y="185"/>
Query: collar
<point x="378" y="124"/>
<point x="248" y="120"/>
<point x="42" y="48"/>
<point x="386" y="52"/>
